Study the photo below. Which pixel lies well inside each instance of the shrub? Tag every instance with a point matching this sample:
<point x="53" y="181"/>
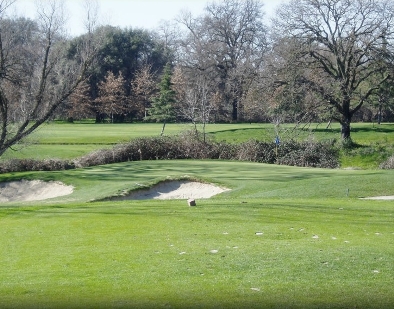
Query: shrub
<point x="308" y="154"/>
<point x="224" y="151"/>
<point x="191" y="145"/>
<point x="97" y="157"/>
<point x="388" y="164"/>
<point x="257" y="151"/>
<point x="24" y="165"/>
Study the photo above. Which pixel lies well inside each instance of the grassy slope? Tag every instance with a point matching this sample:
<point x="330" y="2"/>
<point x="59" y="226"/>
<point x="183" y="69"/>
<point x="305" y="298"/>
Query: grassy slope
<point x="248" y="180"/>
<point x="318" y="247"/>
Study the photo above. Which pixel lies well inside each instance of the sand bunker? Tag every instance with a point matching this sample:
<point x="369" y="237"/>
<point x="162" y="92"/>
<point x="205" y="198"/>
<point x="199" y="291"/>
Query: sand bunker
<point x="175" y="190"/>
<point x="34" y="190"/>
<point x="386" y="197"/>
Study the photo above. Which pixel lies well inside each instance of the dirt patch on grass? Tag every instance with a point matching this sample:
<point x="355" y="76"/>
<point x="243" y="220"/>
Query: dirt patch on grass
<point x="182" y="189"/>
<point x="32" y="190"/>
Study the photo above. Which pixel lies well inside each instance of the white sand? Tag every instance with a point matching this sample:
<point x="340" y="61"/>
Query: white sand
<point x="176" y="190"/>
<point x="34" y="190"/>
<point x="386" y="197"/>
<point x="37" y="190"/>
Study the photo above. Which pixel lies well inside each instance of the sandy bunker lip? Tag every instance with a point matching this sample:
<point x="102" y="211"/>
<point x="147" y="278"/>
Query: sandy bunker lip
<point x="32" y="190"/>
<point x="175" y="189"/>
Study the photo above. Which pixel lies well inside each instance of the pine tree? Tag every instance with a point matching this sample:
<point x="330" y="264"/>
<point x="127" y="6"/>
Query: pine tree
<point x="162" y="109"/>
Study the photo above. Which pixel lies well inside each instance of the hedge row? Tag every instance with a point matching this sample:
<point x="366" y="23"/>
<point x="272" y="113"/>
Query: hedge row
<point x="188" y="145"/>
<point x="26" y="165"/>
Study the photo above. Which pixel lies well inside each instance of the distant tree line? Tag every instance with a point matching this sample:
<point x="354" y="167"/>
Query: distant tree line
<point x="316" y="60"/>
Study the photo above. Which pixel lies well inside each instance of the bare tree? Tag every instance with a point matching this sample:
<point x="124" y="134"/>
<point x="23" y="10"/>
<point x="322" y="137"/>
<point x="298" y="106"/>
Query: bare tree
<point x="92" y="10"/>
<point x="168" y="34"/>
<point x="193" y="98"/>
<point x="143" y="87"/>
<point x="229" y="42"/>
<point x="341" y="54"/>
<point x="112" y="100"/>
<point x="79" y="104"/>
<point x="282" y="88"/>
<point x="37" y="74"/>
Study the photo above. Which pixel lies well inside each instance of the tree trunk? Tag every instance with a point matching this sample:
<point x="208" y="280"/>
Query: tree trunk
<point x="345" y="129"/>
<point x="380" y="113"/>
<point x="329" y="124"/>
<point x="203" y="131"/>
<point x="346" y="118"/>
<point x="162" y="129"/>
<point x="235" y="110"/>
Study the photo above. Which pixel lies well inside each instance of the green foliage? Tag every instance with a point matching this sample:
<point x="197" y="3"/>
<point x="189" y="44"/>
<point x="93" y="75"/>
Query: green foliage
<point x="126" y="51"/>
<point x="365" y="155"/>
<point x="162" y="109"/>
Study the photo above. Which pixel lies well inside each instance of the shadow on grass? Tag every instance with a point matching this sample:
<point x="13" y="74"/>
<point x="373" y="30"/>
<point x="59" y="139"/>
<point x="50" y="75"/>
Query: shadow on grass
<point x="259" y="303"/>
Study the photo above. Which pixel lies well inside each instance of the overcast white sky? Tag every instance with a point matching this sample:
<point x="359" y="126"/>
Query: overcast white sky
<point x="131" y="13"/>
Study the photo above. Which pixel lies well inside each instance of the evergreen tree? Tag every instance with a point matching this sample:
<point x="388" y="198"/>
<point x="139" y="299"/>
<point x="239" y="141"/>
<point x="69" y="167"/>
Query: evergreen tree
<point x="162" y="109"/>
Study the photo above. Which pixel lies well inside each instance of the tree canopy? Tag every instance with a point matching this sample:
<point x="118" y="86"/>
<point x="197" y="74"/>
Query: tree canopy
<point x="343" y="50"/>
<point x="162" y="109"/>
<point x="317" y="60"/>
<point x="36" y="74"/>
<point x="227" y="43"/>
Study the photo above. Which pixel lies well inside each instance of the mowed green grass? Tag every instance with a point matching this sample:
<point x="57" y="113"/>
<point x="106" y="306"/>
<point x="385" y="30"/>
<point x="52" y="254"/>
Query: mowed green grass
<point x="283" y="237"/>
<point x="70" y="141"/>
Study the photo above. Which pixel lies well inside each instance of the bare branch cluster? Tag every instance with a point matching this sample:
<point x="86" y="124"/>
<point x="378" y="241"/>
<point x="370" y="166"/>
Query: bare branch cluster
<point x="343" y="49"/>
<point x="36" y="75"/>
<point x="319" y="60"/>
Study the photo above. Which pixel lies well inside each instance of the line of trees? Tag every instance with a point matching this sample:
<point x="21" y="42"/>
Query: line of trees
<point x="317" y="60"/>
